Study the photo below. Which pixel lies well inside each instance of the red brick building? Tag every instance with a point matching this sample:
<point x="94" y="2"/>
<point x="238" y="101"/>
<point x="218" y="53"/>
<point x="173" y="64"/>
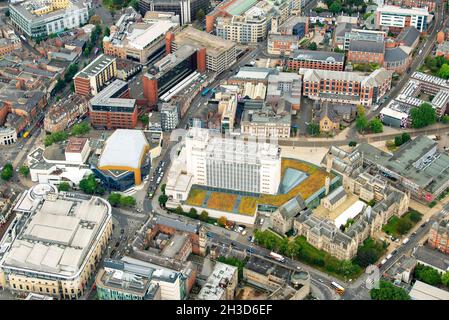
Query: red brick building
<point x="439" y="236"/>
<point x="315" y="60"/>
<point x="364" y="52"/>
<point x="112" y="108"/>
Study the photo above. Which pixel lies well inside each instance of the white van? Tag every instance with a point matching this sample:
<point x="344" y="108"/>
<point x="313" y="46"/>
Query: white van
<point x="261" y="221"/>
<point x="405" y="240"/>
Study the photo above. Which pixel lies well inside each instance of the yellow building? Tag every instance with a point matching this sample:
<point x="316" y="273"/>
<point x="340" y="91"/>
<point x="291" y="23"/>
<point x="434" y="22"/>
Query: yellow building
<point x="124" y="151"/>
<point x="55" y="243"/>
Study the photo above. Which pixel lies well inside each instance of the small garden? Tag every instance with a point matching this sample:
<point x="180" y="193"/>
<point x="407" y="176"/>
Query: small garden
<point x="398" y="226"/>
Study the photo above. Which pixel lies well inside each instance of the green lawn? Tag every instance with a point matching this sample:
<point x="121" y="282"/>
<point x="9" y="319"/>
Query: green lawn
<point x="399" y="226"/>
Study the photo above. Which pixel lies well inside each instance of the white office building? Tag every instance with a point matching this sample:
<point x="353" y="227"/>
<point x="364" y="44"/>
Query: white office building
<point x="232" y="164"/>
<point x="42" y="18"/>
<point x="396" y="18"/>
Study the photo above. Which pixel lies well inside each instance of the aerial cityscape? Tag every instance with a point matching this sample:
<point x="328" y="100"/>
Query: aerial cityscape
<point x="224" y="150"/>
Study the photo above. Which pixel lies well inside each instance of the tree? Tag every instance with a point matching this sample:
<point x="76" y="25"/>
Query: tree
<point x="7" y="172"/>
<point x="361" y="123"/>
<point x="427" y="274"/>
<point x="415" y="216"/>
<point x="361" y="112"/>
<point x="445" y="119"/>
<point x="134" y="4"/>
<point x="200" y="15"/>
<point x="388" y="291"/>
<point x="222" y="221"/>
<point x="127" y="201"/>
<point x="423" y="116"/>
<point x="376" y="126"/>
<point x="64" y="186"/>
<point x="114" y="199"/>
<point x="179" y="210"/>
<point x="90" y="185"/>
<point x="335" y="7"/>
<point x="405" y="137"/>
<point x="107" y="32"/>
<point x="80" y="129"/>
<point x="204" y="215"/>
<point x="398" y="141"/>
<point x="163" y="200"/>
<point x="60" y="84"/>
<point x="445" y="278"/>
<point x="70" y="72"/>
<point x="86" y="52"/>
<point x="312" y="46"/>
<point x="95" y="19"/>
<point x="24" y="171"/>
<point x="163" y="186"/>
<point x="403" y="226"/>
<point x="313" y="129"/>
<point x="145" y="119"/>
<point x="444" y="71"/>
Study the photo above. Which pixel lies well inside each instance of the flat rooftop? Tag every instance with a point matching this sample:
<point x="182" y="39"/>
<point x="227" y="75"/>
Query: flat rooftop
<point x="214" y="45"/>
<point x="96" y="66"/>
<point x="222" y="275"/>
<point x="60" y="234"/>
<point x="108" y="96"/>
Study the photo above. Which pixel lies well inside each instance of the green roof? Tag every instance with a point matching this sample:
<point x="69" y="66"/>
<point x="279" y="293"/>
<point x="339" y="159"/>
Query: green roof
<point x="240" y="6"/>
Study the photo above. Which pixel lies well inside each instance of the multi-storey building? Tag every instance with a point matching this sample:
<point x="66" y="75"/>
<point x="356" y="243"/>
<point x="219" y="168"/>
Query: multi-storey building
<point x="220" y="54"/>
<point x="363" y="51"/>
<point x="315" y="60"/>
<point x="169" y="116"/>
<point x="8" y="41"/>
<point x="346" y="87"/>
<point x="221" y="284"/>
<point x="439" y="236"/>
<point x="247" y="21"/>
<point x="232" y="164"/>
<point x="65" y="112"/>
<point x="137" y="41"/>
<point x="284" y="87"/>
<point x="266" y="122"/>
<point x="54" y="243"/>
<point x="112" y="108"/>
<point x="41" y="18"/>
<point x="186" y="9"/>
<point x="279" y="44"/>
<point x="395" y="18"/>
<point x="96" y="75"/>
<point x="430" y="4"/>
<point x="362" y="35"/>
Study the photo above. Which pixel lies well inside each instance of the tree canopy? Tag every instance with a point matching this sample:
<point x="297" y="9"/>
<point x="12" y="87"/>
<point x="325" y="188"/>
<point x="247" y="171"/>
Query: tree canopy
<point x="423" y="116"/>
<point x="24" y="171"/>
<point x="7" y="172"/>
<point x="376" y="126"/>
<point x="388" y="291"/>
<point x="90" y="185"/>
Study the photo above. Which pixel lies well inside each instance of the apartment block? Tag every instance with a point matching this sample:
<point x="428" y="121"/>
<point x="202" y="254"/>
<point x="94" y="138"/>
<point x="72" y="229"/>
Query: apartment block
<point x="112" y="108"/>
<point x="315" y="60"/>
<point x="96" y="75"/>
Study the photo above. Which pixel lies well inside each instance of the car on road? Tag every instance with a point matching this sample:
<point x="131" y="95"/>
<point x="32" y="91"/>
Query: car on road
<point x="298" y="267"/>
<point x="389" y="256"/>
<point x="394" y="252"/>
<point x="405" y="241"/>
<point x="209" y="235"/>
<point x="244" y="232"/>
<point x="413" y="234"/>
<point x="112" y="253"/>
<point x="233" y="244"/>
<point x="321" y="280"/>
<point x="423" y="225"/>
<point x="122" y="231"/>
<point x="250" y="250"/>
<point x="383" y="262"/>
<point x="117" y="244"/>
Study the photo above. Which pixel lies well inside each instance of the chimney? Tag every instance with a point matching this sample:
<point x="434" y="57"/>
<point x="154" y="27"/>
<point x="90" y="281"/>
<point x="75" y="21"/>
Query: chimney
<point x="327" y="184"/>
<point x="330" y="160"/>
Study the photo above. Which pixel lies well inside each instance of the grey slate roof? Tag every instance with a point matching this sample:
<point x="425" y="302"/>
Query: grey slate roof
<point x="408" y="36"/>
<point x="367" y="46"/>
<point x="328" y="110"/>
<point x="177" y="224"/>
<point x="432" y="257"/>
<point x="395" y="54"/>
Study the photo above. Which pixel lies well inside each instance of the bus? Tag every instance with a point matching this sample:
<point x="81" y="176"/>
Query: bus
<point x="205" y="92"/>
<point x="277" y="257"/>
<point x="338" y="288"/>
